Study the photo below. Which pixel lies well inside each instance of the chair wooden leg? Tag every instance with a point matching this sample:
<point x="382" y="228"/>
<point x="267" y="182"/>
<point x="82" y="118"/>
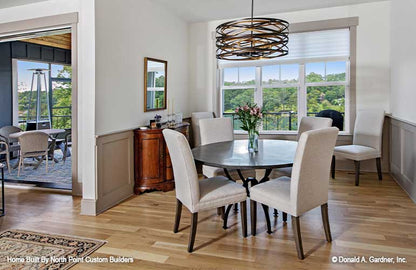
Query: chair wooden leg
<point x="266" y="214"/>
<point x="284" y="216"/>
<point x="357" y="172"/>
<point x="298" y="237"/>
<point x="225" y="217"/>
<point x="378" y="163"/>
<point x="194" y="224"/>
<point x="333" y="167"/>
<point x="243" y="210"/>
<point x="325" y="220"/>
<point x="236" y="208"/>
<point x="47" y="163"/>
<point x="178" y="215"/>
<point x="253" y="215"/>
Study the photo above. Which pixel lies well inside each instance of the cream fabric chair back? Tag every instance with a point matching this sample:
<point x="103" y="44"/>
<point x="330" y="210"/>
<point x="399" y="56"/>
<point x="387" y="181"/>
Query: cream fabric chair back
<point x="369" y="128"/>
<point x="196" y="116"/>
<point x="33" y="141"/>
<point x="310" y="173"/>
<point x="184" y="170"/>
<point x="216" y="130"/>
<point x="312" y="123"/>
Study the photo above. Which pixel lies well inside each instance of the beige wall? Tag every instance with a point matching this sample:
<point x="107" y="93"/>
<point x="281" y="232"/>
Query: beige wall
<point x="125" y="34"/>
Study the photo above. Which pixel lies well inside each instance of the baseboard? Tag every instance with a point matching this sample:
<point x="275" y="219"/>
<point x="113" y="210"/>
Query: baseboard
<point x="88" y="207"/>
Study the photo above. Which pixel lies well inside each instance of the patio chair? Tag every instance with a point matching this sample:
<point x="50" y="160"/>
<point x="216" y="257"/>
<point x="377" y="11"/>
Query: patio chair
<point x="4" y="150"/>
<point x="5" y="137"/>
<point x="33" y="144"/>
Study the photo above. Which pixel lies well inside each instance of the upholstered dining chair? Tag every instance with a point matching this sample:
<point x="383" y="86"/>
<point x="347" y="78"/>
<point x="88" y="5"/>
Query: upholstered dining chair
<point x="213" y="131"/>
<point x="33" y="144"/>
<point x="196" y="116"/>
<point x="306" y="189"/>
<point x="199" y="195"/>
<point x="366" y="143"/>
<point x="306" y="124"/>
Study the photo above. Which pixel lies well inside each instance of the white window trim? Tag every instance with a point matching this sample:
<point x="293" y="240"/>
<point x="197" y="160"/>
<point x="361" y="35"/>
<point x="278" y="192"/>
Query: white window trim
<point x="350" y="90"/>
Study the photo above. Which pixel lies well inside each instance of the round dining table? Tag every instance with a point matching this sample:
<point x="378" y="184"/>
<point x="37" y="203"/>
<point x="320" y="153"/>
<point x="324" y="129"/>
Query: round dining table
<point x="229" y="155"/>
<point x="234" y="155"/>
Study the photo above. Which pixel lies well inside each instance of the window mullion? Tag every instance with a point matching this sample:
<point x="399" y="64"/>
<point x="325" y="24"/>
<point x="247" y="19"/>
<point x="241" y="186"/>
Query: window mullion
<point x="302" y="96"/>
<point x="258" y="91"/>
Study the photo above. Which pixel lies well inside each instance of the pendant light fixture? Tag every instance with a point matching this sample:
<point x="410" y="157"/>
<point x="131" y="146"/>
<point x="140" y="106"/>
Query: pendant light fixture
<point x="252" y="38"/>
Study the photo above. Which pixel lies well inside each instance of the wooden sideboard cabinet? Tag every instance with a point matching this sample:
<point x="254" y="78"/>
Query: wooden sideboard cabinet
<point x="152" y="165"/>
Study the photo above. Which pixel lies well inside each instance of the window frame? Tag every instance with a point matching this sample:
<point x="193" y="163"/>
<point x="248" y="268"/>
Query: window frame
<point x="301" y="86"/>
<point x="350" y="23"/>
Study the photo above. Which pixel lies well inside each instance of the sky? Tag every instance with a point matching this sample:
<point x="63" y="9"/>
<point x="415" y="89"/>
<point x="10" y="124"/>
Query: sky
<point x="288" y="72"/>
<point x="25" y="75"/>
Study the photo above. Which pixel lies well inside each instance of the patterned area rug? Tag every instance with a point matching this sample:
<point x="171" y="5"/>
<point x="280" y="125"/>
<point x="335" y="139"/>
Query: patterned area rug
<point x="32" y="250"/>
<point x="57" y="172"/>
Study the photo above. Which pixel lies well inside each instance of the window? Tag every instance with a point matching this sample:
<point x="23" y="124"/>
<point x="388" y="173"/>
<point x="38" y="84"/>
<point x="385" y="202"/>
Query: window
<point x="57" y="104"/>
<point x="313" y="77"/>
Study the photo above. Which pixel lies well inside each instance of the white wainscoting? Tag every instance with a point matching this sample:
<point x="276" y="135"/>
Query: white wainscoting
<point x="115" y="169"/>
<point x="403" y="155"/>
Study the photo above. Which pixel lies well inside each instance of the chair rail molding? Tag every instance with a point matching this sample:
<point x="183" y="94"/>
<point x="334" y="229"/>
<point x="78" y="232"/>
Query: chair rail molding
<point x="403" y="155"/>
<point x="115" y="172"/>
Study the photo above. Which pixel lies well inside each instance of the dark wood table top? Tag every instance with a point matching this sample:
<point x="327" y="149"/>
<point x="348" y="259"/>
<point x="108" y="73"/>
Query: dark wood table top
<point x="235" y="155"/>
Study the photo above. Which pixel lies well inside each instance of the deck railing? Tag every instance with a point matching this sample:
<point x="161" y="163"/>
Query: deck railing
<point x="287" y="120"/>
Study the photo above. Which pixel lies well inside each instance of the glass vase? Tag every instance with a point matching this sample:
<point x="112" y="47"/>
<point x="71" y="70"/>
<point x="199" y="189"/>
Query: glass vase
<point x="253" y="141"/>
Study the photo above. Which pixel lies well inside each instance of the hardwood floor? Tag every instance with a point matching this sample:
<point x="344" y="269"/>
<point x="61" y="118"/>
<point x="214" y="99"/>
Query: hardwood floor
<point x="374" y="219"/>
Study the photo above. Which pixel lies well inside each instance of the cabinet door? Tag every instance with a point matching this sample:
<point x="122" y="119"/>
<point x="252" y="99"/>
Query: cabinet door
<point x="169" y="169"/>
<point x="151" y="159"/>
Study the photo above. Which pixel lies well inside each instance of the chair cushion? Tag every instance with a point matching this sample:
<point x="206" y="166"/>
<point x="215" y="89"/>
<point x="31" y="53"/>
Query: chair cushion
<point x="219" y="191"/>
<point x="276" y="173"/>
<point x="356" y="152"/>
<point x="210" y="171"/>
<point x="274" y="193"/>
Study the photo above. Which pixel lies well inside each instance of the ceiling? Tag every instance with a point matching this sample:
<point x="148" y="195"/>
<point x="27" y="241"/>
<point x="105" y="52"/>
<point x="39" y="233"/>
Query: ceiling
<point x="206" y="10"/>
<point x="62" y="41"/>
<point x="13" y="3"/>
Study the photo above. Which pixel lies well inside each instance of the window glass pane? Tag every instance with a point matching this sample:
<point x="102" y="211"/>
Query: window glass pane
<point x="25" y="71"/>
<point x="230" y="76"/>
<point x="247" y="75"/>
<point x="239" y="76"/>
<point x="270" y="74"/>
<point x="232" y="98"/>
<point x="289" y="73"/>
<point x="61" y="97"/>
<point x="315" y="72"/>
<point x="335" y="71"/>
<point x="326" y="97"/>
<point x="60" y="71"/>
<point x="280" y="108"/>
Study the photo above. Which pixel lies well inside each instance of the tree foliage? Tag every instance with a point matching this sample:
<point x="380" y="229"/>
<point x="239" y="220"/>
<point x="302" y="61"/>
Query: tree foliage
<point x="280" y="104"/>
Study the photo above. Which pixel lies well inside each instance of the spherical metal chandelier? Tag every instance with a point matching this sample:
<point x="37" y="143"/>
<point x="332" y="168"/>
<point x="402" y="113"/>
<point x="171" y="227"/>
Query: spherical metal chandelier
<point x="252" y="38"/>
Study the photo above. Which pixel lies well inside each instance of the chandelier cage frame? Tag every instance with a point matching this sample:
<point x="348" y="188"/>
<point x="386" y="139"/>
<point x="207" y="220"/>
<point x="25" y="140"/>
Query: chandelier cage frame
<point x="252" y="39"/>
